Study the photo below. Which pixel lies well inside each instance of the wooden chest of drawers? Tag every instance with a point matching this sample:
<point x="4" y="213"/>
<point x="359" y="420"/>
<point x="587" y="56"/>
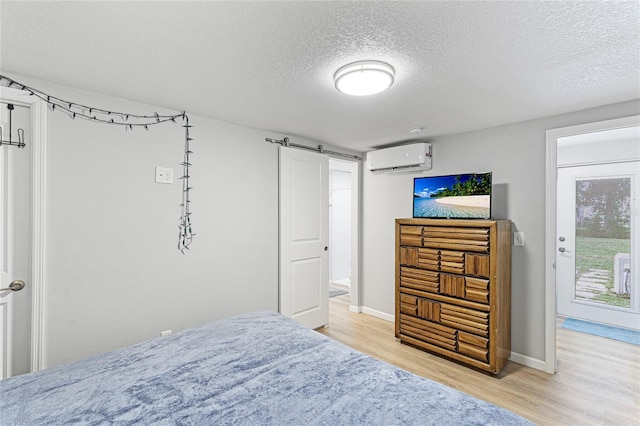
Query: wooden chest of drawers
<point x="453" y="289"/>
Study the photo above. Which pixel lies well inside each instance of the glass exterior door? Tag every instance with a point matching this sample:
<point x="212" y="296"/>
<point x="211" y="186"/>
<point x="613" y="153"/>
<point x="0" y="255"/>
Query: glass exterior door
<point x="597" y="249"/>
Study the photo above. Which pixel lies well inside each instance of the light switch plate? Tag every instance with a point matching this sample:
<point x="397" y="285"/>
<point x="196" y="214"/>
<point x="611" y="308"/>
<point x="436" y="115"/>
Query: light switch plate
<point x="518" y="238"/>
<point x="164" y="175"/>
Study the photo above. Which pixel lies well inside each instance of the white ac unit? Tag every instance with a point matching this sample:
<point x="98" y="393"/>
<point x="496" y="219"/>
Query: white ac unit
<point x="622" y="273"/>
<point x="399" y="159"/>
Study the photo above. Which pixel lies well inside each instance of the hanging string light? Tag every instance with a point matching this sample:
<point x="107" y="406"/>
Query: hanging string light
<point x="185" y="235"/>
<point x="129" y="122"/>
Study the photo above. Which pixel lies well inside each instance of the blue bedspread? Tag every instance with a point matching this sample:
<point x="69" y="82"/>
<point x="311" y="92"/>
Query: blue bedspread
<point x="253" y="369"/>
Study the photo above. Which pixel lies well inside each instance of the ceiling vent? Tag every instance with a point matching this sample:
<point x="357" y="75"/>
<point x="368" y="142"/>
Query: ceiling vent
<point x="415" y="157"/>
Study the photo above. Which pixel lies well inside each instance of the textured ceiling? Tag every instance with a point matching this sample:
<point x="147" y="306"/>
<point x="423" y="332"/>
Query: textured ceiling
<point x="460" y="66"/>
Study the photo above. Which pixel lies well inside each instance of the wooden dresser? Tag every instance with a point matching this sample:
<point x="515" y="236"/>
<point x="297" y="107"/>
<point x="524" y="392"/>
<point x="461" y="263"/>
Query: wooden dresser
<point x="453" y="289"/>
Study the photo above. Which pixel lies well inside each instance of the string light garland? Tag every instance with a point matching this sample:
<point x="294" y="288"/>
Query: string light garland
<point x="186" y="235"/>
<point x="129" y="122"/>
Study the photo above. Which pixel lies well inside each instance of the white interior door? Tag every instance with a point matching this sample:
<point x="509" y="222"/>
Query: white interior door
<point x="15" y="245"/>
<point x="597" y="243"/>
<point x="304" y="236"/>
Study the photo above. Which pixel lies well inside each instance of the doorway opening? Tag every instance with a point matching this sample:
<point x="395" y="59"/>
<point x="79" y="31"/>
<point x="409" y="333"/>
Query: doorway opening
<point x="340" y="195"/>
<point x="592" y="250"/>
<point x="345" y="232"/>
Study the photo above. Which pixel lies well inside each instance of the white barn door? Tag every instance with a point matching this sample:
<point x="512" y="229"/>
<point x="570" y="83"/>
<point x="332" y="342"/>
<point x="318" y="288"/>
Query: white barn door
<point x="304" y="236"/>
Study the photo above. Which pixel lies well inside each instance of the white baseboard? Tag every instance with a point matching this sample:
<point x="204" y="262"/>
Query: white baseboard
<point x="355" y="309"/>
<point x="378" y="314"/>
<point x="528" y="361"/>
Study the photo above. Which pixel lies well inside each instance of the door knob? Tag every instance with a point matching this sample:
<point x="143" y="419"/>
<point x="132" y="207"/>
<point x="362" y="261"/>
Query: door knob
<point x="563" y="250"/>
<point x="16" y="285"/>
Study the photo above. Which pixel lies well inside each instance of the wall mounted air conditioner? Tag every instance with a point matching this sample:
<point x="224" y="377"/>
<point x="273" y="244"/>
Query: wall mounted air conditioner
<point x="622" y="273"/>
<point x="415" y="157"/>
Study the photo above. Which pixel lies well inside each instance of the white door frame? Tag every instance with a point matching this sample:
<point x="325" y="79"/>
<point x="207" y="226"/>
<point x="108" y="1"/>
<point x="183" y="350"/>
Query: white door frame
<point x="356" y="223"/>
<point x="38" y="142"/>
<point x="552" y="137"/>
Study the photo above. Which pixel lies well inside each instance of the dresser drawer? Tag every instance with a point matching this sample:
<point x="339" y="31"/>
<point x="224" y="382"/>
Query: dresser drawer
<point x="411" y="235"/>
<point x="473" y="346"/>
<point x="454" y="316"/>
<point x="452" y="261"/>
<point x="465" y="319"/>
<point x="477" y="264"/>
<point x="422" y="258"/>
<point x="469" y="288"/>
<point x="408" y="304"/>
<point x="476" y="289"/>
<point x="472" y="339"/>
<point x="420" y="307"/>
<point x="452" y="238"/>
<point x="419" y="279"/>
<point x="429" y="259"/>
<point x="452" y="285"/>
<point x="473" y="351"/>
<point x="435" y="334"/>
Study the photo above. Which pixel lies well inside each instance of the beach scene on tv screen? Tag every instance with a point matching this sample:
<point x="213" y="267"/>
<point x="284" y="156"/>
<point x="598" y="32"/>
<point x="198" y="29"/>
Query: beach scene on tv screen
<point x="455" y="196"/>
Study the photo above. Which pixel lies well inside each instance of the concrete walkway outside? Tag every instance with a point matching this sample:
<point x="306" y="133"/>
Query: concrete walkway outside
<point x="592" y="283"/>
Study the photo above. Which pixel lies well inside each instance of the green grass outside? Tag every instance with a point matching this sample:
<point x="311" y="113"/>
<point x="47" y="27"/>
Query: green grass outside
<point x="598" y="253"/>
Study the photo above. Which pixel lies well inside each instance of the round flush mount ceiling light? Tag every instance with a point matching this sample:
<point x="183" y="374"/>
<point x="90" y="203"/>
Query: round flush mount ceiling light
<point x="364" y="78"/>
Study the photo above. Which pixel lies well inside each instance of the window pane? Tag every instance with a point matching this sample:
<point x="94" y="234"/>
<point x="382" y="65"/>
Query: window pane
<point x="603" y="241"/>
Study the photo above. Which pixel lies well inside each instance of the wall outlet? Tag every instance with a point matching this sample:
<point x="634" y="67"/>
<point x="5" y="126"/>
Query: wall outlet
<point x="518" y="238"/>
<point x="164" y="175"/>
<point x="165" y="333"/>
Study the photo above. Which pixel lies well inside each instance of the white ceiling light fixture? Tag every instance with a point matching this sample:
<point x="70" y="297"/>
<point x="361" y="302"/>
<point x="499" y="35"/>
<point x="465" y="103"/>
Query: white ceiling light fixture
<point x="364" y="78"/>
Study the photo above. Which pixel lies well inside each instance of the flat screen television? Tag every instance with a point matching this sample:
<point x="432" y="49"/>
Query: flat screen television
<point x="462" y="196"/>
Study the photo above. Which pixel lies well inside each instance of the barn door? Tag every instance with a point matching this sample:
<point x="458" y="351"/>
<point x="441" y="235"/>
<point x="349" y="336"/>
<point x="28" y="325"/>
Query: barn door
<point x="304" y="236"/>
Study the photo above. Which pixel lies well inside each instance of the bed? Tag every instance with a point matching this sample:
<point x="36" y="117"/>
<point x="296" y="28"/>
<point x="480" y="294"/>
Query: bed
<point x="254" y="369"/>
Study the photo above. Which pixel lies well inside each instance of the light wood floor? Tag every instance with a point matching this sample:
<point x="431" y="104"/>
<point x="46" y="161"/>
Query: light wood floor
<point x="598" y="380"/>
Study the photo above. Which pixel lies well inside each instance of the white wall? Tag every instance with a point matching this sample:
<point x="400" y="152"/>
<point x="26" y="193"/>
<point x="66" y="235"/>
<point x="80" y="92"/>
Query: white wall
<point x="600" y="147"/>
<point x="516" y="156"/>
<point x="114" y="274"/>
